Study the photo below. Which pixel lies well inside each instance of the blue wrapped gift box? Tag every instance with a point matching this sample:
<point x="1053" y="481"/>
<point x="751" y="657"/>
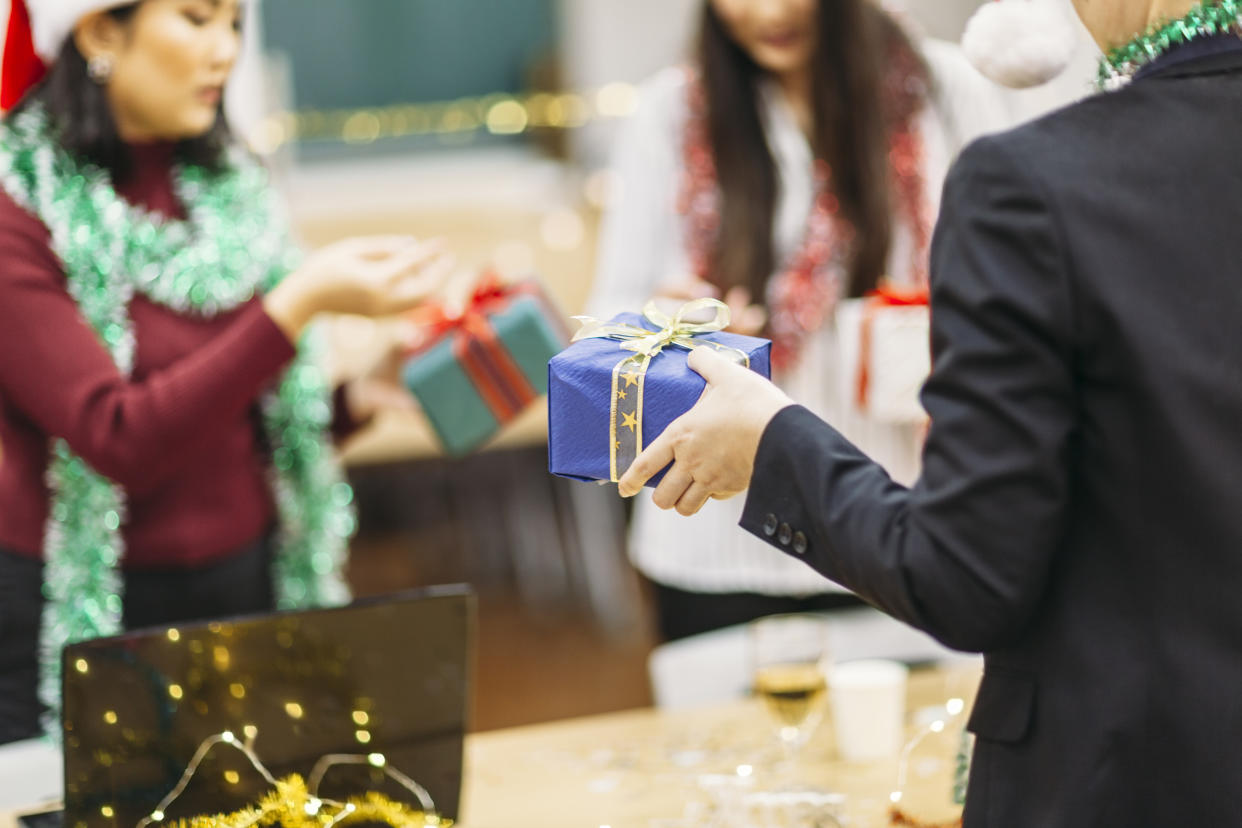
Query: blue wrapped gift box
<point x="580" y="397"/>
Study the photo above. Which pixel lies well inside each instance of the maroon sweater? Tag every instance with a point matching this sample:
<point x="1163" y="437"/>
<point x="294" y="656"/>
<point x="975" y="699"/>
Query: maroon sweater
<point x="181" y="435"/>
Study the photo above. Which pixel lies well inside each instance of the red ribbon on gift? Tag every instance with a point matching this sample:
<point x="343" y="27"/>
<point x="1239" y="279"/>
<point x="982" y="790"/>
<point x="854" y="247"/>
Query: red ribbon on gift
<point x="478" y="349"/>
<point x="884" y="296"/>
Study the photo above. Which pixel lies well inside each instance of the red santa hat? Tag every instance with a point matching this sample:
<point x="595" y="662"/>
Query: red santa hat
<point x="36" y="32"/>
<point x="1020" y="43"/>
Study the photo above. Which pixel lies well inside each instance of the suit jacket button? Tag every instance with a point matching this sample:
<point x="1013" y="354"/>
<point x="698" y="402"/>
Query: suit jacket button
<point x="769" y="525"/>
<point x="785" y="534"/>
<point x="799" y="543"/>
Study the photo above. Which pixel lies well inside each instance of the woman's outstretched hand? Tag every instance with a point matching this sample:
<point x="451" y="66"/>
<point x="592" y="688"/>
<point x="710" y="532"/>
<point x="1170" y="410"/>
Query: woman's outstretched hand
<point x="748" y="319"/>
<point x="367" y="276"/>
<point x="378" y="387"/>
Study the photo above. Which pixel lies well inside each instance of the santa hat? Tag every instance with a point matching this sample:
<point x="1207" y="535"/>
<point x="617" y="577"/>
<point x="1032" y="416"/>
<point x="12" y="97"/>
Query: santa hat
<point x="36" y="32"/>
<point x="1020" y="43"/>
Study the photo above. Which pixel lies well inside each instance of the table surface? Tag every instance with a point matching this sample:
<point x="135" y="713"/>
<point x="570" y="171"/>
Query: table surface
<point x="675" y="769"/>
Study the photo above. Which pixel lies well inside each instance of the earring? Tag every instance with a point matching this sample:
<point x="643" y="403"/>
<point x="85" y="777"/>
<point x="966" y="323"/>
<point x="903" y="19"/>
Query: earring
<point x="99" y="68"/>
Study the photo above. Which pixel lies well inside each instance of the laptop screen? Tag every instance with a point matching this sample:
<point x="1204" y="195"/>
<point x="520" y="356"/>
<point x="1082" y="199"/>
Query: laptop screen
<point x="387" y="676"/>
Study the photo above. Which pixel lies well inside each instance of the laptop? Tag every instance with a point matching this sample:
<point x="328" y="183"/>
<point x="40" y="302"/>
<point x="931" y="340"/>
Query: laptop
<point x="386" y="677"/>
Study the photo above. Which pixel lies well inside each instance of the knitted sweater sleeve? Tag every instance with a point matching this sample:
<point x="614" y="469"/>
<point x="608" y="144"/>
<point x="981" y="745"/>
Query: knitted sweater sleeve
<point x="56" y="371"/>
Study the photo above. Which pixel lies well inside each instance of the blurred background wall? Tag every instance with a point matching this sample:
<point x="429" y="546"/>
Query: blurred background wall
<point x="488" y="123"/>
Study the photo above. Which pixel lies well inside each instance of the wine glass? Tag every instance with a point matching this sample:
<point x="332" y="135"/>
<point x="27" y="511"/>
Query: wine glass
<point x="789" y="654"/>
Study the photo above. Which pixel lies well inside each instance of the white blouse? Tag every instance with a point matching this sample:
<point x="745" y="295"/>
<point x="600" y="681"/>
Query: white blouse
<point x="643" y="250"/>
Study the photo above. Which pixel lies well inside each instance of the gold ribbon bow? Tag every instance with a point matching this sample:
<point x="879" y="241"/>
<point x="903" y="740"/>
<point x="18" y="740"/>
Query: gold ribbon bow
<point x="626" y="439"/>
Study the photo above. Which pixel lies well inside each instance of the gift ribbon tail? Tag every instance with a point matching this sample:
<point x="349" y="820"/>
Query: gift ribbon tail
<point x="864" y="357"/>
<point x="499" y="380"/>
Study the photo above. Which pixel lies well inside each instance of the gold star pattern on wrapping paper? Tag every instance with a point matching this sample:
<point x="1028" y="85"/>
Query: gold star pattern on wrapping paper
<point x="626" y="427"/>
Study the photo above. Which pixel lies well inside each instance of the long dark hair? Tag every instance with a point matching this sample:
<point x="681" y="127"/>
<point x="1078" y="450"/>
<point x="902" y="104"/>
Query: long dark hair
<point x="855" y="42"/>
<point x="81" y="116"/>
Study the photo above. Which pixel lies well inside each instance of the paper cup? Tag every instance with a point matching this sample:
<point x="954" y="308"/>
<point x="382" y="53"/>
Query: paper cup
<point x="868" y="709"/>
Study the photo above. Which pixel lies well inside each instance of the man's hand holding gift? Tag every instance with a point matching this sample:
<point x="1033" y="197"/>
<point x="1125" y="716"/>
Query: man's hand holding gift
<point x="712" y="447"/>
<point x="623" y="382"/>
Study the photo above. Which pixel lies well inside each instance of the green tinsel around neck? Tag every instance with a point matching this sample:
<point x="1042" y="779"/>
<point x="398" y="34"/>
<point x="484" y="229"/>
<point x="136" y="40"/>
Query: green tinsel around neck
<point x="1121" y="64"/>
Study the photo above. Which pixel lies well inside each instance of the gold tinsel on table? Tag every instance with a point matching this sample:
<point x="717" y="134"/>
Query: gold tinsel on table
<point x="290" y="805"/>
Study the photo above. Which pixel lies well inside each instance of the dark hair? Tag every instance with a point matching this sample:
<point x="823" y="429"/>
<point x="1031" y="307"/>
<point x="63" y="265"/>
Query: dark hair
<point x="81" y="116"/>
<point x="855" y="43"/>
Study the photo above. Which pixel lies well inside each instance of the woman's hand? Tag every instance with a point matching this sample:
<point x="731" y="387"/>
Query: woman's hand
<point x="687" y="289"/>
<point x="367" y="276"/>
<point x="379" y="387"/>
<point x="747" y="319"/>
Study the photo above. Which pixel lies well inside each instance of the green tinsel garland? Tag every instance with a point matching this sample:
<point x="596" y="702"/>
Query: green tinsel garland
<point x="1120" y="65"/>
<point x="233" y="245"/>
<point x="961" y="770"/>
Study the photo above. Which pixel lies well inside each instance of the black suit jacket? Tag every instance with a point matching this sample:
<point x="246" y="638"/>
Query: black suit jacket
<point x="1079" y="517"/>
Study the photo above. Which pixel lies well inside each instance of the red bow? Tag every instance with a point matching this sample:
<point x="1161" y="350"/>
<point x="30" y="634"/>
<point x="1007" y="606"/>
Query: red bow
<point x="884" y="296"/>
<point x="887" y="295"/>
<point x="490" y="295"/>
<point x="21" y="68"/>
<point x="476" y="346"/>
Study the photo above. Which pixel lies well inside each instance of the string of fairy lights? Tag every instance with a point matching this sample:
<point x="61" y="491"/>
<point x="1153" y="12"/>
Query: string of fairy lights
<point x="451" y="121"/>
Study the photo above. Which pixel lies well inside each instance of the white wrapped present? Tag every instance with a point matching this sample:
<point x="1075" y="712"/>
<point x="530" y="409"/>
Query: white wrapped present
<point x="885" y="353"/>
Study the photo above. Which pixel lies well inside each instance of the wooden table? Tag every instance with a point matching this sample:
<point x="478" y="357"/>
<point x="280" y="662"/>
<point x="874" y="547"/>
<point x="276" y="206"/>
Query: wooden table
<point x="661" y="769"/>
<point x="653" y="769"/>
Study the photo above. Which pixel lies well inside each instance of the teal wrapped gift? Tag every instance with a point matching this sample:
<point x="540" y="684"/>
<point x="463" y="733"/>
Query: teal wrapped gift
<point x="483" y="367"/>
<point x="623" y="382"/>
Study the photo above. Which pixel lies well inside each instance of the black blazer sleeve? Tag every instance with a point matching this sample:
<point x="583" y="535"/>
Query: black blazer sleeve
<point x="966" y="552"/>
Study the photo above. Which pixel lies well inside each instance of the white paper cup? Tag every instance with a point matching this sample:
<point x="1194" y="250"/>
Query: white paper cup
<point x="868" y="708"/>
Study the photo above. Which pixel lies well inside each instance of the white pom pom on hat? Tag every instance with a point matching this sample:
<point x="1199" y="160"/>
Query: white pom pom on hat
<point x="1020" y="43"/>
